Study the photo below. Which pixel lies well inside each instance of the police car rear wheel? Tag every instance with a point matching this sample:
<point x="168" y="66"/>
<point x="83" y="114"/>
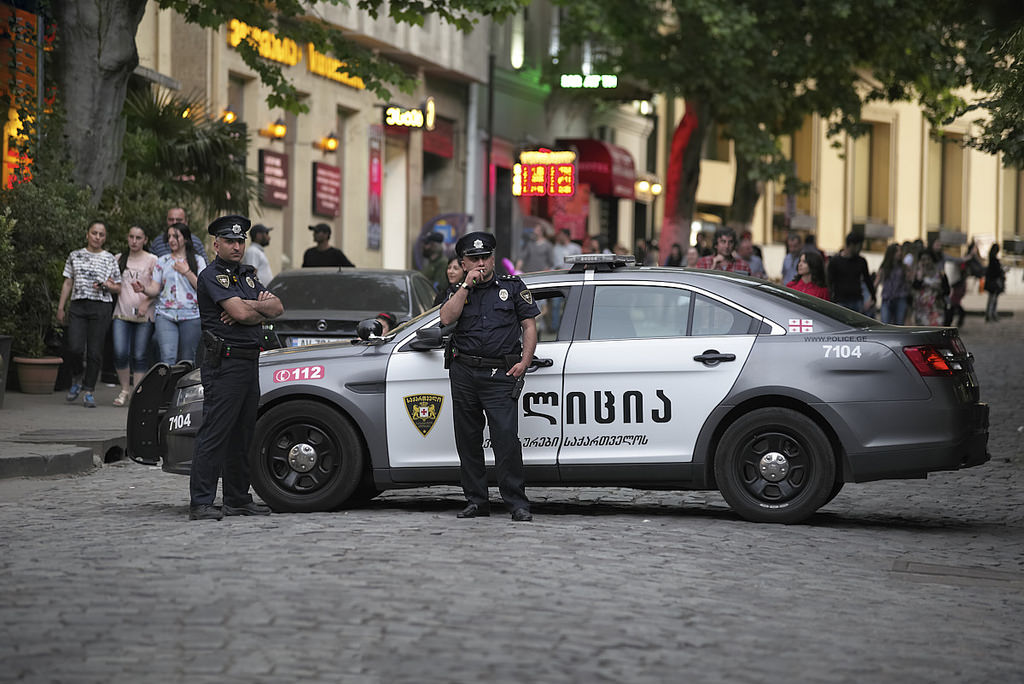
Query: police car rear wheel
<point x="307" y="458"/>
<point x="775" y="465"/>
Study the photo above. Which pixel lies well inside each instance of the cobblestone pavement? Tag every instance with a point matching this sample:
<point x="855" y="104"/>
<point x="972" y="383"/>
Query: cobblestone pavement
<point x="102" y="579"/>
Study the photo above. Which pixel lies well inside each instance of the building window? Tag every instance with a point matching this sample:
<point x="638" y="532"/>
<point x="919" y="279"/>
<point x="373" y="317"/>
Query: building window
<point x="1013" y="204"/>
<point x="871" y="175"/>
<point x="716" y="145"/>
<point x="945" y="183"/>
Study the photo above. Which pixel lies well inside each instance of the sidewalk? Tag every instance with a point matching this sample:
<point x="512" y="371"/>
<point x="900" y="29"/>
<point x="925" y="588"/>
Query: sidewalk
<point x="41" y="434"/>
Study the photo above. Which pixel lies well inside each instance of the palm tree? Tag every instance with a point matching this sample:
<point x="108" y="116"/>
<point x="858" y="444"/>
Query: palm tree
<point x="190" y="157"/>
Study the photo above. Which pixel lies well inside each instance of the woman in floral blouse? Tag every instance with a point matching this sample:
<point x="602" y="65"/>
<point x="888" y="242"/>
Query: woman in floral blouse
<point x="176" y="314"/>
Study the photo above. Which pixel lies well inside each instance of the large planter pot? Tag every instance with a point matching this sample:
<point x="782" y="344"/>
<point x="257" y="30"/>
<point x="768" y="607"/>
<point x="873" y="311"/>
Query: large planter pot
<point x="37" y="376"/>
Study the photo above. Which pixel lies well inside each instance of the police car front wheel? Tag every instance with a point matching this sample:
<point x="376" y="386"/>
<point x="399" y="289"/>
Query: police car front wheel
<point x="775" y="465"/>
<point x="307" y="458"/>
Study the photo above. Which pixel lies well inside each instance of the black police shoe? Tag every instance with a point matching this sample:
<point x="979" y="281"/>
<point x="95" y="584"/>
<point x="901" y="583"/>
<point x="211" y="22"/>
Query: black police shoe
<point x="204" y="512"/>
<point x="474" y="511"/>
<point x="521" y="515"/>
<point x="251" y="508"/>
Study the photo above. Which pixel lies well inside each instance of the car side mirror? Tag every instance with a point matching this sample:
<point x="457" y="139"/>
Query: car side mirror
<point x="431" y="337"/>
<point x="368" y="328"/>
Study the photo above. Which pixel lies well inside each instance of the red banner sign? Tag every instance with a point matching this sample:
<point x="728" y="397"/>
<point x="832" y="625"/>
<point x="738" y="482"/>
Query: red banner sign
<point x="273" y="178"/>
<point x="326" y="190"/>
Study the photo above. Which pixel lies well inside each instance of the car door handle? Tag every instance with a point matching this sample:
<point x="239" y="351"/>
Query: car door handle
<point x="712" y="357"/>
<point x="539" y="363"/>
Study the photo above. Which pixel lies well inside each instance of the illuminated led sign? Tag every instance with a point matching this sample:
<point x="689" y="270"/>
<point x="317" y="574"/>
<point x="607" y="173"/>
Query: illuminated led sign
<point x="327" y="66"/>
<point x="589" y="81"/>
<point x="544" y="172"/>
<point x="268" y="45"/>
<point x="411" y="118"/>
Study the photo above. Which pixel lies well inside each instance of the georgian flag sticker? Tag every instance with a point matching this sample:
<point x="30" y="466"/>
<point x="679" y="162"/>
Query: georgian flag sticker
<point x="801" y="325"/>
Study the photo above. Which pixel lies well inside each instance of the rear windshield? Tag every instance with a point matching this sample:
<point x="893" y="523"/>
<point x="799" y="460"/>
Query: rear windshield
<point x="344" y="290"/>
<point x="818" y="305"/>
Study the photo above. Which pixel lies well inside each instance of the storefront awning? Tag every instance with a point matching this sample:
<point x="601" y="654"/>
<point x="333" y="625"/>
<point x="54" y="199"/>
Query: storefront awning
<point x="608" y="169"/>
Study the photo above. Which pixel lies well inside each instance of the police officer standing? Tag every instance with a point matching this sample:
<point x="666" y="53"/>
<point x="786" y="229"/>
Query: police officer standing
<point x="233" y="304"/>
<point x="486" y="373"/>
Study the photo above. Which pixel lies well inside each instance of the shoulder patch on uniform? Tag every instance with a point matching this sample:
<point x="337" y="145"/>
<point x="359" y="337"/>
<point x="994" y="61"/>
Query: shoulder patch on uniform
<point x="527" y="296"/>
<point x="223" y="280"/>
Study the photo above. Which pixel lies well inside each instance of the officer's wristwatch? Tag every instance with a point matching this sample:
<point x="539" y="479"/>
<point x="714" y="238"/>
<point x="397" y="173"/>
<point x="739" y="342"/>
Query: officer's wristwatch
<point x="463" y="285"/>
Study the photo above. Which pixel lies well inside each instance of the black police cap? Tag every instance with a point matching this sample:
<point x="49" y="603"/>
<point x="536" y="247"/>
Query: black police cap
<point x="475" y="244"/>
<point x="232" y="226"/>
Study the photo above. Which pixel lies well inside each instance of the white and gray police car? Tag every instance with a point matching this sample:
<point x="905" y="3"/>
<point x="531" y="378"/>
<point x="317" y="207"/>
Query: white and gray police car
<point x="651" y="378"/>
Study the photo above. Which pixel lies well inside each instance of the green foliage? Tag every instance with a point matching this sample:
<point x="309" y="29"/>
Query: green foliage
<point x="296" y="20"/>
<point x="177" y="155"/>
<point x="50" y="217"/>
<point x="10" y="288"/>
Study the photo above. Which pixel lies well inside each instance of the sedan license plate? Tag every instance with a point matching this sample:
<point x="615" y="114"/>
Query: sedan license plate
<point x="303" y="341"/>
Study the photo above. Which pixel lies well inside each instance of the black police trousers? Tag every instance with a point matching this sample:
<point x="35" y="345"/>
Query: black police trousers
<point x="479" y="392"/>
<point x="231" y="393"/>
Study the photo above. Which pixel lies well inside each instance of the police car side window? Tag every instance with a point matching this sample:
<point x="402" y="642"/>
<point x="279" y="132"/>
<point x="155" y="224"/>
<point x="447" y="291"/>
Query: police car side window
<point x="714" y="318"/>
<point x="624" y="312"/>
<point x="552" y="305"/>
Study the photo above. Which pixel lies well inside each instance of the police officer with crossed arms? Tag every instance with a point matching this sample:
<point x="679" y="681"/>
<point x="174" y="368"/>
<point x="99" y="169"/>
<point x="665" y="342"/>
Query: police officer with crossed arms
<point x="233" y="304"/>
<point x="488" y="362"/>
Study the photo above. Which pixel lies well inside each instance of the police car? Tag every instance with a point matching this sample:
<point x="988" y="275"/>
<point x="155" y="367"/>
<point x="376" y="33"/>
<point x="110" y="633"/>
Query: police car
<point x="652" y="378"/>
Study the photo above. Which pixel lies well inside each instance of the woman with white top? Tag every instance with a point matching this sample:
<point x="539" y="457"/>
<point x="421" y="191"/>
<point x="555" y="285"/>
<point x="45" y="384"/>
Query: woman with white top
<point x="133" y="315"/>
<point x="91" y="278"/>
<point x="174" y="285"/>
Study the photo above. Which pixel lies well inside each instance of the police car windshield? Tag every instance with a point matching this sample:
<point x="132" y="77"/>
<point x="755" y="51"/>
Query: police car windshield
<point x="348" y="290"/>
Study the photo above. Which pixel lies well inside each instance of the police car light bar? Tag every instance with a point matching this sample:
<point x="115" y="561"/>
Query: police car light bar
<point x="604" y="262"/>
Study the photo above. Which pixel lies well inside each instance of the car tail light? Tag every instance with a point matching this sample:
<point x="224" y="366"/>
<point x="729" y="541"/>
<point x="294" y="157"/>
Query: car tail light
<point x="929" y="361"/>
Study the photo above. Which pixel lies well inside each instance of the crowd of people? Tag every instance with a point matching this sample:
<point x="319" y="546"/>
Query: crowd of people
<point x="146" y="299"/>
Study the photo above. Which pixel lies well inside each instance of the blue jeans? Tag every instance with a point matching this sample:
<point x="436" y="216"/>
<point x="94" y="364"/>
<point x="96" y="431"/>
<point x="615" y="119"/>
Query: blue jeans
<point x="894" y="310"/>
<point x="178" y="340"/>
<point x="131" y="343"/>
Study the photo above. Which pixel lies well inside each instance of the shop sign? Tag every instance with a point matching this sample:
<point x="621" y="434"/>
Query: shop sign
<point x="273" y="178"/>
<point x="589" y="81"/>
<point x="328" y="67"/>
<point x="326" y="189"/>
<point x="544" y="172"/>
<point x="268" y="45"/>
<point x="401" y="117"/>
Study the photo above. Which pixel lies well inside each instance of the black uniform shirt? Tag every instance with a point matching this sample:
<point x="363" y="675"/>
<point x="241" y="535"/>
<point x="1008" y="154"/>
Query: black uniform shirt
<point x="490" y="322"/>
<point x="222" y="280"/>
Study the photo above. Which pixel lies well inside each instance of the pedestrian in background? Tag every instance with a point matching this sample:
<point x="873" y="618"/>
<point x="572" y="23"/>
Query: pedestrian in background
<point x="894" y="279"/>
<point x="724" y="259"/>
<point x="675" y="255"/>
<point x="563" y="248"/>
<point x="322" y="254"/>
<point x="794" y="248"/>
<point x="91" y="278"/>
<point x="234" y="306"/>
<point x="995" y="283"/>
<point x="453" y="276"/>
<point x="930" y="288"/>
<point x="255" y="256"/>
<point x="810" y="276"/>
<point x="434" y="263"/>
<point x="494" y="341"/>
<point x="159" y="245"/>
<point x="849" y="278"/>
<point x="133" y="316"/>
<point x="746" y="251"/>
<point x="176" y="316"/>
<point x="537" y="253"/>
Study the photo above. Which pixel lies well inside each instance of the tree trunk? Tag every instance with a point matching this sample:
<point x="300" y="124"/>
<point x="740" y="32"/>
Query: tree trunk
<point x="745" y="194"/>
<point x="95" y="56"/>
<point x="683" y="174"/>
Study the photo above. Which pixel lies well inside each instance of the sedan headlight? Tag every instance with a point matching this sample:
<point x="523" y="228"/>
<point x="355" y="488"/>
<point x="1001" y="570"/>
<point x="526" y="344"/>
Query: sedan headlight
<point x="190" y="394"/>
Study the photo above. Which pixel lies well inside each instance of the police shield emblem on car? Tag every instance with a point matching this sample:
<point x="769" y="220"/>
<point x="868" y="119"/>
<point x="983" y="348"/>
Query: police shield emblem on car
<point x="644" y="377"/>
